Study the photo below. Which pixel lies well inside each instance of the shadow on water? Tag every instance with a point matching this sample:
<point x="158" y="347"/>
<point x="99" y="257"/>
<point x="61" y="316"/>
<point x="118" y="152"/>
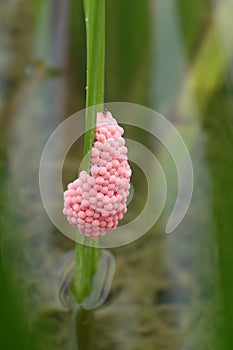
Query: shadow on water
<point x="164" y="294"/>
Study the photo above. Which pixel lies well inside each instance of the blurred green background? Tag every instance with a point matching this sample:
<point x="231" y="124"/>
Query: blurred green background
<point x="174" y="56"/>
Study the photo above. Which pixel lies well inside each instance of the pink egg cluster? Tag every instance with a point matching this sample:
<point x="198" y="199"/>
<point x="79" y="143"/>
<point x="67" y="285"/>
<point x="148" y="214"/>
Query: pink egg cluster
<point x="95" y="203"/>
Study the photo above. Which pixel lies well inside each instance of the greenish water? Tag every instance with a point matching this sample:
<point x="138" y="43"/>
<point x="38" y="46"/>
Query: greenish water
<point x="169" y="291"/>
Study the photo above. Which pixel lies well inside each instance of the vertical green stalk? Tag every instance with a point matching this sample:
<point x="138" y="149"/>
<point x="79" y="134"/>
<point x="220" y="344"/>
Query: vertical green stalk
<point x="86" y="258"/>
<point x="95" y="29"/>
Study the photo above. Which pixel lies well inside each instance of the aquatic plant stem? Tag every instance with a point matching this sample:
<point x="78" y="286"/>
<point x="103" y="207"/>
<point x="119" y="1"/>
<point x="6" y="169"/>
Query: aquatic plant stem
<point x="86" y="258"/>
<point x="95" y="29"/>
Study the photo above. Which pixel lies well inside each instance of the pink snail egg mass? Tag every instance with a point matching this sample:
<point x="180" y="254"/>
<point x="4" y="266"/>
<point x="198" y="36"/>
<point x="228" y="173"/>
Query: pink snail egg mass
<point x="95" y="203"/>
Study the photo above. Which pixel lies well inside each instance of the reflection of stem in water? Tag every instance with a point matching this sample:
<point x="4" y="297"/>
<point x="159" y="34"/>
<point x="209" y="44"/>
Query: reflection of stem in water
<point x="82" y="315"/>
<point x="80" y="326"/>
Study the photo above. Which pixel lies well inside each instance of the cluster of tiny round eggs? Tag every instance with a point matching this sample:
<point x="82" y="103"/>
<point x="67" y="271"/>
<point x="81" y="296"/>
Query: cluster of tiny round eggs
<point x="95" y="203"/>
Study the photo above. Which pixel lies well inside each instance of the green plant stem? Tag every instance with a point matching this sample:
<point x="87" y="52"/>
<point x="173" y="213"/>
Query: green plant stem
<point x="86" y="258"/>
<point x="95" y="29"/>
